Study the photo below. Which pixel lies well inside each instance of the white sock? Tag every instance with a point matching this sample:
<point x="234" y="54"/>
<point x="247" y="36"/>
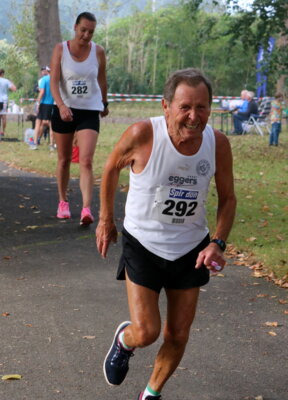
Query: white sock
<point x="121" y="340"/>
<point x="149" y="392"/>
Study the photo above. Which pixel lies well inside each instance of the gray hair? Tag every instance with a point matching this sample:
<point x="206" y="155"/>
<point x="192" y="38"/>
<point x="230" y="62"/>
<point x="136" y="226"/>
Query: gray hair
<point x="250" y="94"/>
<point x="190" y="76"/>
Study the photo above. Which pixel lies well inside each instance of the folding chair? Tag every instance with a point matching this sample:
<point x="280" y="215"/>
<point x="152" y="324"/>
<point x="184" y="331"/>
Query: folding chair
<point x="259" y="122"/>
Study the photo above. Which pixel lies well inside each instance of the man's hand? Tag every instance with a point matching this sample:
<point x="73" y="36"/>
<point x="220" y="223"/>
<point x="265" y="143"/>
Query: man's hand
<point x="212" y="257"/>
<point x="105" y="234"/>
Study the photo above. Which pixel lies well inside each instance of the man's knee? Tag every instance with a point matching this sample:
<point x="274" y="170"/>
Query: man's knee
<point x="177" y="337"/>
<point x="144" y="335"/>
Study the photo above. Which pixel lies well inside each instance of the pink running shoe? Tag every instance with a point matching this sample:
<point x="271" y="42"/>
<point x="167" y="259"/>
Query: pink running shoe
<point x="86" y="216"/>
<point x="63" y="211"/>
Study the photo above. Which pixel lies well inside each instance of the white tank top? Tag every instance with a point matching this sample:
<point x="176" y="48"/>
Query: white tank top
<point x="165" y="208"/>
<point x="79" y="87"/>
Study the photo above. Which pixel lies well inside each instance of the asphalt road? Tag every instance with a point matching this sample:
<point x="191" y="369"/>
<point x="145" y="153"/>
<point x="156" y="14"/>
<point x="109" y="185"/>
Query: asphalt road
<point x="60" y="304"/>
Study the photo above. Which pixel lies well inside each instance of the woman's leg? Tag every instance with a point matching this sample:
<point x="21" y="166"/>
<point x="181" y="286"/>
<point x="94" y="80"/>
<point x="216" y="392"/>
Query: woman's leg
<point x="64" y="150"/>
<point x="87" y="140"/>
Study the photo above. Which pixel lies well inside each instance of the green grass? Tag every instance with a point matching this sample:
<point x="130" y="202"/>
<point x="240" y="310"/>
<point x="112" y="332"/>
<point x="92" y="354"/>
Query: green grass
<point x="261" y="182"/>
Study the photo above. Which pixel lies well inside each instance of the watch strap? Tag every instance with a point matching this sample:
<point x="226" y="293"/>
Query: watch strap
<point x="220" y="243"/>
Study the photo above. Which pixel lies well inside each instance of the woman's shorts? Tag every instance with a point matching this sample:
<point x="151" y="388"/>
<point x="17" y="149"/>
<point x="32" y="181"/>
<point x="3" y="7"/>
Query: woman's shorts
<point x="45" y="112"/>
<point x="147" y="269"/>
<point x="82" y="119"/>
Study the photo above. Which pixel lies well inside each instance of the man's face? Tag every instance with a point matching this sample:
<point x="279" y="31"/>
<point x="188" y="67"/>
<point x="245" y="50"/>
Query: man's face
<point x="188" y="112"/>
<point x="243" y="95"/>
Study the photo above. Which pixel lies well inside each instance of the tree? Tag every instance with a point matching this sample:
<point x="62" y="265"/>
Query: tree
<point x="47" y="25"/>
<point x="254" y="26"/>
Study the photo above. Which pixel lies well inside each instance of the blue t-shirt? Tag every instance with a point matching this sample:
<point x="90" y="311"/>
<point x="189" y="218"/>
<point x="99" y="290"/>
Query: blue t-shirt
<point x="44" y="83"/>
<point x="244" y="107"/>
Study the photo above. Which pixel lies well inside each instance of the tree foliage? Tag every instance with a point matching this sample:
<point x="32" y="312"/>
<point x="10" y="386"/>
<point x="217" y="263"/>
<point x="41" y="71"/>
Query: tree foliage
<point x="19" y="59"/>
<point x="145" y="47"/>
<point x="255" y="25"/>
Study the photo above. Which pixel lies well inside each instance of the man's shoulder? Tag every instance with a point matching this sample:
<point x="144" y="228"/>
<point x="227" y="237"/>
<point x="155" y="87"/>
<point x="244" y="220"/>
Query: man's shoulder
<point x="140" y="131"/>
<point x="43" y="81"/>
<point x="141" y="127"/>
<point x="5" y="81"/>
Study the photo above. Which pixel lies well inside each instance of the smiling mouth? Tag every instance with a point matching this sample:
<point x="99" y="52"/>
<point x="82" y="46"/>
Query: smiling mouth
<point x="192" y="126"/>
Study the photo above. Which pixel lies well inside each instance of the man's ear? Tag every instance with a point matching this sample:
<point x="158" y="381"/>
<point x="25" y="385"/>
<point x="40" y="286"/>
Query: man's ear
<point x="165" y="105"/>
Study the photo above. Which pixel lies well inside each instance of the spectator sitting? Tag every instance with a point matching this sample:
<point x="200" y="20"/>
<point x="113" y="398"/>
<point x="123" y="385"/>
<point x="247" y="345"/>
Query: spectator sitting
<point x="242" y="116"/>
<point x="244" y="106"/>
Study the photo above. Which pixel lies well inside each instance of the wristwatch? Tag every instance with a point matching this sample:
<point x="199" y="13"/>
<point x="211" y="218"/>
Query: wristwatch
<point x="220" y="243"/>
<point x="105" y="104"/>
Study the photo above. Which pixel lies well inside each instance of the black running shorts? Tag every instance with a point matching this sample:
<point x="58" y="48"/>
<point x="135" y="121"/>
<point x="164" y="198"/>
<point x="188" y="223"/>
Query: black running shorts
<point x="147" y="269"/>
<point x="45" y="112"/>
<point x="82" y="119"/>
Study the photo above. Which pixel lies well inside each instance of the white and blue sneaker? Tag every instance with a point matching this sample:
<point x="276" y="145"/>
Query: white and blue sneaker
<point x="116" y="363"/>
<point x="140" y="397"/>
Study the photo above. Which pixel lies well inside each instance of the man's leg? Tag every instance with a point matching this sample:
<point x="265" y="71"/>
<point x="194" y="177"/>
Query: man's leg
<point x="4" y="123"/>
<point x="144" y="314"/>
<point x="238" y="119"/>
<point x="51" y="136"/>
<point x="180" y="315"/>
<point x="144" y="329"/>
<point x="45" y="127"/>
<point x="37" y="131"/>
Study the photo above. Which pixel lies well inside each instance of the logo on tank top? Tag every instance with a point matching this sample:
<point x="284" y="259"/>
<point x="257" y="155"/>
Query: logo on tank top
<point x="203" y="167"/>
<point x="182" y="180"/>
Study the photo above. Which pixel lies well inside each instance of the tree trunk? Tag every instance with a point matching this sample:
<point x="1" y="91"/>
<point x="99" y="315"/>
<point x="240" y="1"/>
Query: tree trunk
<point x="282" y="43"/>
<point x="47" y="26"/>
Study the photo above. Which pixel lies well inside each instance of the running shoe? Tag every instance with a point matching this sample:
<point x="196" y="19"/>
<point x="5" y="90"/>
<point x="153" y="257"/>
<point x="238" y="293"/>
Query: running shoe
<point x="140" y="397"/>
<point x="86" y="216"/>
<point x="63" y="211"/>
<point x="116" y="362"/>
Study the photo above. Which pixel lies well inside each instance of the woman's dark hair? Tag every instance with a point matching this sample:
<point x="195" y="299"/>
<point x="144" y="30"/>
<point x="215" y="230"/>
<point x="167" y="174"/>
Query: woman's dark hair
<point x="190" y="76"/>
<point x="85" y="15"/>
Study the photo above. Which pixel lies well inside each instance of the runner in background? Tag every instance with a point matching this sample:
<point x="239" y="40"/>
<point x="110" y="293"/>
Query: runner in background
<point x="79" y="87"/>
<point x="44" y="104"/>
<point x="5" y="86"/>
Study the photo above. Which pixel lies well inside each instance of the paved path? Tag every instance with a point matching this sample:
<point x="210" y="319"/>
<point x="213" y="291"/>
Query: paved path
<point x="64" y="305"/>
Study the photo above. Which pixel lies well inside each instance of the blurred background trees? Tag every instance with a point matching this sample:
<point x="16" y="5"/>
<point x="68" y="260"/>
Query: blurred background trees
<point x="145" y="45"/>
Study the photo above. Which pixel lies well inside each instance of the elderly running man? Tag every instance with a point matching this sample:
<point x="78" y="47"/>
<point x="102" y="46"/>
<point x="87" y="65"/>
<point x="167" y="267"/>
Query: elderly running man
<point x="166" y="241"/>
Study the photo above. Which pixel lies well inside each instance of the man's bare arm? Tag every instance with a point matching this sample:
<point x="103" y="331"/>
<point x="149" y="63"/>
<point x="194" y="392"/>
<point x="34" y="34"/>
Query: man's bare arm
<point x="126" y="152"/>
<point x="226" y="202"/>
